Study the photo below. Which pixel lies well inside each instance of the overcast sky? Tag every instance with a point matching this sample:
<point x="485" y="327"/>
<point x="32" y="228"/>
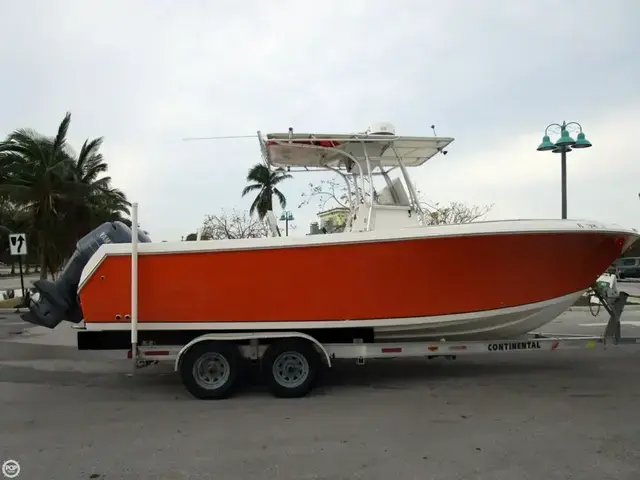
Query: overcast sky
<point x="492" y="74"/>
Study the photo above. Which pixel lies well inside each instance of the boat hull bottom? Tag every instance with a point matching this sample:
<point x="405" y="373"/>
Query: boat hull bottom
<point x="496" y="324"/>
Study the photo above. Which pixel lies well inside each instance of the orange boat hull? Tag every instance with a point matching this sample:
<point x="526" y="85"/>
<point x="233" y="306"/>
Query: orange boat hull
<point x="419" y="277"/>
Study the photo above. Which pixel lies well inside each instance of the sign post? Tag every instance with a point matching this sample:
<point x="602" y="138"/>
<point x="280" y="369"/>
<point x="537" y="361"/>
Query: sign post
<point x="18" y="248"/>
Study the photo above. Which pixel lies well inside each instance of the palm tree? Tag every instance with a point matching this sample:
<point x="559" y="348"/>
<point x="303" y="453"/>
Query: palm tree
<point x="265" y="181"/>
<point x="59" y="196"/>
<point x="93" y="200"/>
<point x="33" y="175"/>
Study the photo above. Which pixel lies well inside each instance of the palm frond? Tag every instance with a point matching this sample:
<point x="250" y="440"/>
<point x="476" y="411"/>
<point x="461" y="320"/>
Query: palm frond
<point x="278" y="176"/>
<point x="61" y="137"/>
<point x="254" y="206"/>
<point x="259" y="173"/>
<point x="251" y="188"/>
<point x="281" y="198"/>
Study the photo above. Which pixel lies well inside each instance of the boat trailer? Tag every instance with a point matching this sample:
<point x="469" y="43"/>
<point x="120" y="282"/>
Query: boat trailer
<point x="291" y="361"/>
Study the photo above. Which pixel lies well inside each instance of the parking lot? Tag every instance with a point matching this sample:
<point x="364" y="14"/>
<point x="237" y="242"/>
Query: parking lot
<point x="66" y="414"/>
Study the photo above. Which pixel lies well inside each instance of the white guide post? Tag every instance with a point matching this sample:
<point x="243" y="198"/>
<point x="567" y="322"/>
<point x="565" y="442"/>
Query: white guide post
<point x="134" y="284"/>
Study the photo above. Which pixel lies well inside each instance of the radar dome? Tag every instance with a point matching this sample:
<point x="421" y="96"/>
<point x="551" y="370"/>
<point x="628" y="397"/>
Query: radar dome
<point x="382" y="128"/>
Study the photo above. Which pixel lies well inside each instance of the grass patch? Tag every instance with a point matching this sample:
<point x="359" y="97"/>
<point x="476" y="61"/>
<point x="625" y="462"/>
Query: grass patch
<point x="11" y="302"/>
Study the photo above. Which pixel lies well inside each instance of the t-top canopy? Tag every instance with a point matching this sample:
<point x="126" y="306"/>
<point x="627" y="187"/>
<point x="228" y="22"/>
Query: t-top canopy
<point x="325" y="150"/>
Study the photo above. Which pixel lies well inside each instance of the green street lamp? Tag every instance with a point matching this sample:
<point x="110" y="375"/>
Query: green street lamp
<point x="563" y="145"/>
<point x="286" y="217"/>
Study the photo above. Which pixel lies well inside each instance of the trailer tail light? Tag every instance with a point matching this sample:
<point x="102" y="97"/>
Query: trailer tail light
<point x="392" y="350"/>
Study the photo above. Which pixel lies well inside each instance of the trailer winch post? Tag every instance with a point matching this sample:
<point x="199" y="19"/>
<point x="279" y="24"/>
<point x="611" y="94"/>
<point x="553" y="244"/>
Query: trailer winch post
<point x="134" y="285"/>
<point x="613" y="328"/>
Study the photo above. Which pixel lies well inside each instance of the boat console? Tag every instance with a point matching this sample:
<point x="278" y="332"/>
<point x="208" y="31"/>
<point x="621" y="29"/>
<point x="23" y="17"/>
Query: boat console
<point x="360" y="159"/>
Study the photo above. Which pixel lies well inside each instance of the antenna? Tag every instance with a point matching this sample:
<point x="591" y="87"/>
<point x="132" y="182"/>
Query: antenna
<point x="224" y="137"/>
<point x="444" y="152"/>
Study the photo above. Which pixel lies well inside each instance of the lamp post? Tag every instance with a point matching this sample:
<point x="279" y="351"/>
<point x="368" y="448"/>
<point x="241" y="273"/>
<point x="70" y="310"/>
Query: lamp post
<point x="286" y="217"/>
<point x="564" y="145"/>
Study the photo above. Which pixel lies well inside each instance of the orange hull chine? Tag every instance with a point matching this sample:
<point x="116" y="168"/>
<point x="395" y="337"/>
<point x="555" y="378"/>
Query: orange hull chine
<point x="419" y="277"/>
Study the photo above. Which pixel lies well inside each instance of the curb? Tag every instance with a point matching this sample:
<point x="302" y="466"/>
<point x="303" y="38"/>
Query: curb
<point x="586" y="309"/>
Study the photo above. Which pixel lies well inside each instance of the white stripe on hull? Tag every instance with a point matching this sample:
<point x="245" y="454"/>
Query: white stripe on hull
<point x="501" y="323"/>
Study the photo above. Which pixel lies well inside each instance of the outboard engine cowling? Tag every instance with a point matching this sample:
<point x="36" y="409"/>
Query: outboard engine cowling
<point x="59" y="300"/>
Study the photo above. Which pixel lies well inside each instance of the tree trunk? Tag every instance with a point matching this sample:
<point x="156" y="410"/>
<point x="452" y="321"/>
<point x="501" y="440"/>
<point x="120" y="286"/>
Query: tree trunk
<point x="270" y="202"/>
<point x="43" y="258"/>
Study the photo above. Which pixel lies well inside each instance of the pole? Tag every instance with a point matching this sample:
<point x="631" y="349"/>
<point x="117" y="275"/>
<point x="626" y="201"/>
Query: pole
<point x="563" y="161"/>
<point x="286" y="226"/>
<point x="21" y="277"/>
<point x="134" y="284"/>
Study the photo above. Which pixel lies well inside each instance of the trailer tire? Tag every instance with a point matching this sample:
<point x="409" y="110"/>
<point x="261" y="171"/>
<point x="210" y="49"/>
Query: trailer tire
<point x="223" y="358"/>
<point x="290" y="367"/>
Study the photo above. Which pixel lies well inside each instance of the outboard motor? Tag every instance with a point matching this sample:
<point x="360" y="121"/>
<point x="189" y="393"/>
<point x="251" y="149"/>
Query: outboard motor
<point x="59" y="300"/>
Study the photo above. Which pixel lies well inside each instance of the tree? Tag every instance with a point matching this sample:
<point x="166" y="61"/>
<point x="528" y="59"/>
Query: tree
<point x="59" y="196"/>
<point x="33" y="176"/>
<point x="233" y="225"/>
<point x="91" y="202"/>
<point x="332" y="190"/>
<point x="336" y="192"/>
<point x="452" y="213"/>
<point x="265" y="181"/>
<point x="456" y="212"/>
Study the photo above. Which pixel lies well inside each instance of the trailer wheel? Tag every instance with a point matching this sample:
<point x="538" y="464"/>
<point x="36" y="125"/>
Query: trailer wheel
<point x="290" y="367"/>
<point x="210" y="370"/>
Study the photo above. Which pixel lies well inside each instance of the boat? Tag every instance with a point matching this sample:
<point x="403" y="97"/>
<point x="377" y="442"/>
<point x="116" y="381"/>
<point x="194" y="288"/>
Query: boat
<point x="389" y="276"/>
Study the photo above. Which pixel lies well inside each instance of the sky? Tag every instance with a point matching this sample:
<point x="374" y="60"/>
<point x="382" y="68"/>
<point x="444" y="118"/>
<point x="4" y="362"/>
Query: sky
<point x="145" y="74"/>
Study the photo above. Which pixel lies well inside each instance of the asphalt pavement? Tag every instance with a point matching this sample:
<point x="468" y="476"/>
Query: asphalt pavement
<point x="13" y="283"/>
<point x="66" y="415"/>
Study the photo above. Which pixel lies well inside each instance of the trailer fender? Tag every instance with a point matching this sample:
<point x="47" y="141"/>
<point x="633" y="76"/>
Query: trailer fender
<point x="229" y="337"/>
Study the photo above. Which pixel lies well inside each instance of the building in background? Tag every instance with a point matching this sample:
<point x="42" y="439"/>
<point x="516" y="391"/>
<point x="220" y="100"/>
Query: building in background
<point x="332" y="220"/>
